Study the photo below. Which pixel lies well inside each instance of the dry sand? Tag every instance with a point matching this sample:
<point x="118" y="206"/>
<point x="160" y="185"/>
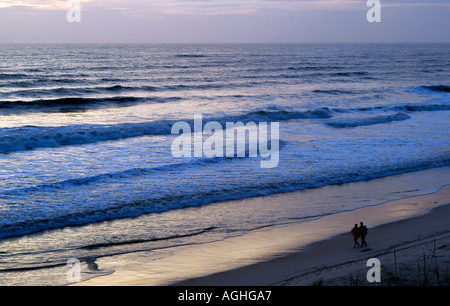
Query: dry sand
<point x="410" y="237"/>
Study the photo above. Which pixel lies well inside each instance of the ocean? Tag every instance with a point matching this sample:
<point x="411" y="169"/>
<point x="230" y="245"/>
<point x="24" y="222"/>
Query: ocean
<point x="87" y="171"/>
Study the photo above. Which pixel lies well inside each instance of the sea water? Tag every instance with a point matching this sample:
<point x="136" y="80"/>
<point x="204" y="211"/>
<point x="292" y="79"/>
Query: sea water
<point x="86" y="167"/>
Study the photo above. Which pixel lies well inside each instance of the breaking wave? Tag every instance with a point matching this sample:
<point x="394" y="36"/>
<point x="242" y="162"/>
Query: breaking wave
<point x="354" y="122"/>
<point x="33" y="137"/>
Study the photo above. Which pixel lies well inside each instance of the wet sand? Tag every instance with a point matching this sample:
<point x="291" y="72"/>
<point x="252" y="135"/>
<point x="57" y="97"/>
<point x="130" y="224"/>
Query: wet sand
<point x="401" y="233"/>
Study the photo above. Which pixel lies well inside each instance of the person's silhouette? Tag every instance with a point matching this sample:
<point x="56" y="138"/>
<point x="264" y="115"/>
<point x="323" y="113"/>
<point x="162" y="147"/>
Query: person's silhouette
<point x="356" y="234"/>
<point x="363" y="232"/>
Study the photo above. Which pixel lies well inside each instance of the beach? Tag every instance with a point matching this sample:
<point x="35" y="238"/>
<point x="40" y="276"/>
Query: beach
<point x="185" y="144"/>
<point x="108" y="159"/>
<point x="410" y="237"/>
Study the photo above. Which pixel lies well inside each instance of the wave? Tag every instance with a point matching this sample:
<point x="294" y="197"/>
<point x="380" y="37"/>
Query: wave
<point x="21" y="85"/>
<point x="189" y="55"/>
<point x="422" y="108"/>
<point x="96" y="246"/>
<point x="66" y="104"/>
<point x="34" y="137"/>
<point x="314" y="68"/>
<point x="136" y="241"/>
<point x="436" y="88"/>
<point x="333" y="91"/>
<point x="12" y="76"/>
<point x="170" y="201"/>
<point x="350" y="73"/>
<point x="307" y="74"/>
<point x="355" y="122"/>
<point x="77" y="91"/>
<point x="119" y="175"/>
<point x="130" y="173"/>
<point x="400" y="107"/>
<point x="76" y="100"/>
<point x="74" y="104"/>
<point x="281" y="115"/>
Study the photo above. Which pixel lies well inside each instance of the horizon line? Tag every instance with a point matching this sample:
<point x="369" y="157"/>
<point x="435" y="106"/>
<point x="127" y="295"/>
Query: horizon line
<point x="220" y="43"/>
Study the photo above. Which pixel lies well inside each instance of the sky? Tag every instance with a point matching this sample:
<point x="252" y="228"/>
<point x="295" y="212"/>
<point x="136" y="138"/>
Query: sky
<point x="223" y="21"/>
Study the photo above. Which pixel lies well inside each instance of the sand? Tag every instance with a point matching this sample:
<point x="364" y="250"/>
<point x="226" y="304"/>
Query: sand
<point x="410" y="238"/>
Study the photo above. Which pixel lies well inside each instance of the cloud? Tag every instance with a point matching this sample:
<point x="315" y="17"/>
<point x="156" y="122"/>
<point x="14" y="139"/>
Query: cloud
<point x="238" y="7"/>
<point x="186" y="7"/>
<point x="150" y="8"/>
<point x="31" y="3"/>
<point x="49" y="5"/>
<point x="128" y="21"/>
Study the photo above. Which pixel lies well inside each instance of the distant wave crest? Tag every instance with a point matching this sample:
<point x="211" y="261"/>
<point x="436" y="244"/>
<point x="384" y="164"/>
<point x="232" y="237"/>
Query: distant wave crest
<point x="354" y="122"/>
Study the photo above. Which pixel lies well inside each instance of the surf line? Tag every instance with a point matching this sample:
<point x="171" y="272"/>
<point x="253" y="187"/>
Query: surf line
<point x="235" y="140"/>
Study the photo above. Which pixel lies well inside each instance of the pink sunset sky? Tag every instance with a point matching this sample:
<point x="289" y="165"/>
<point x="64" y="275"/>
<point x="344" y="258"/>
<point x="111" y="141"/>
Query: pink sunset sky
<point x="223" y="21"/>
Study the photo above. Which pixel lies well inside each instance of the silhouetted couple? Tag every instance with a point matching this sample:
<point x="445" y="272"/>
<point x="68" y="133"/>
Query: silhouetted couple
<point x="357" y="232"/>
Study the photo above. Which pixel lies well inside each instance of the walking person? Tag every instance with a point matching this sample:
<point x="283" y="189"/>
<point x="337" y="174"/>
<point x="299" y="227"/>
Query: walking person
<point x="363" y="232"/>
<point x="356" y="235"/>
